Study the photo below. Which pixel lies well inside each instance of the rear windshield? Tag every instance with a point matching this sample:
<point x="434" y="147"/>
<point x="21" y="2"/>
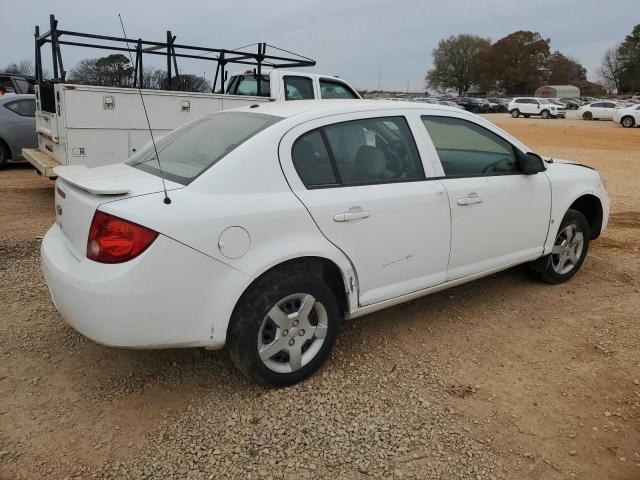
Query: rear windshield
<point x="188" y="151"/>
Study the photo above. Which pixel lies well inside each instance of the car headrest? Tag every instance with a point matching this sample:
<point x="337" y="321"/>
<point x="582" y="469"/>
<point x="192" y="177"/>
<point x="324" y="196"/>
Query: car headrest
<point x="370" y="162"/>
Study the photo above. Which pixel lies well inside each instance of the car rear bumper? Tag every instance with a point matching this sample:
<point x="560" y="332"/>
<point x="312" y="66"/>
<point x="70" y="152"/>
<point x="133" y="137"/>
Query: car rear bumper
<point x="170" y="296"/>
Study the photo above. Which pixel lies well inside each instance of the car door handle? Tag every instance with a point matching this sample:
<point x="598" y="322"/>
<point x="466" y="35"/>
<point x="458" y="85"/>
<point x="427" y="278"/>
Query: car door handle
<point x="350" y="216"/>
<point x="470" y="200"/>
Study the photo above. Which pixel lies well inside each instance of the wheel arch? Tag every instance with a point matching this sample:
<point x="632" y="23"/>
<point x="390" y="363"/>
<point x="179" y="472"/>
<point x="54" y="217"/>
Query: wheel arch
<point x="4" y="143"/>
<point x="341" y="283"/>
<point x="591" y="207"/>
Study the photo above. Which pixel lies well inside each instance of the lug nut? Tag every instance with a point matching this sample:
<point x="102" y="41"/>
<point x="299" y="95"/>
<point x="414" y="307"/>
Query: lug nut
<point x="301" y="332"/>
<point x="292" y="342"/>
<point x="295" y="322"/>
<point x="285" y="333"/>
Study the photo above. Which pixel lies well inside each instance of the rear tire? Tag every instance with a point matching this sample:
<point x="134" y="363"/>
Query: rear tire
<point x="5" y="154"/>
<point x="283" y="328"/>
<point x="627" y="122"/>
<point x="587" y="116"/>
<point x="515" y="113"/>
<point x="569" y="250"/>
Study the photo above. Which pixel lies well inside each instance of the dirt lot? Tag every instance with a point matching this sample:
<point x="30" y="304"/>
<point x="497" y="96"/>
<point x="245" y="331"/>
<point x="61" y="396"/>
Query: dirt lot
<point x="501" y="378"/>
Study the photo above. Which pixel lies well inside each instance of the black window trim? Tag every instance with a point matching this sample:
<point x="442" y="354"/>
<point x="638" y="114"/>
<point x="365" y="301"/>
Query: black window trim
<point x="332" y="159"/>
<point x="516" y="152"/>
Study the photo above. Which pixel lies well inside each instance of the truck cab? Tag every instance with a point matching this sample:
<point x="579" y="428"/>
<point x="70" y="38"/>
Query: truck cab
<point x="288" y="85"/>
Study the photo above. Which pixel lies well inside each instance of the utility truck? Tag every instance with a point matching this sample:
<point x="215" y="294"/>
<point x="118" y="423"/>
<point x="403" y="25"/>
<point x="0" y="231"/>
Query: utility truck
<point x="97" y="125"/>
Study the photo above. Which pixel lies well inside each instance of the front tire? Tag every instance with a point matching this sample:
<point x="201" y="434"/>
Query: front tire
<point x="569" y="250"/>
<point x="283" y="328"/>
<point x="5" y="155"/>
<point x="627" y="122"/>
<point x="587" y="116"/>
<point x="515" y="113"/>
<point x="544" y="114"/>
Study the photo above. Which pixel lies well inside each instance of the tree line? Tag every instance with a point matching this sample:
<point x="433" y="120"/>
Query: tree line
<point x="116" y="71"/>
<point x="523" y="61"/>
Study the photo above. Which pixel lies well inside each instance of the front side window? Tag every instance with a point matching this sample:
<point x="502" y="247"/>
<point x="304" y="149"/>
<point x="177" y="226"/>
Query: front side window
<point x="190" y="150"/>
<point x="298" y="88"/>
<point x="24" y="108"/>
<point x="330" y="89"/>
<point x="467" y="149"/>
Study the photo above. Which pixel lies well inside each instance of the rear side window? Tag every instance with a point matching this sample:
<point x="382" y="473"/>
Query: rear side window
<point x="360" y="152"/>
<point x="190" y="150"/>
<point x="24" y="108"/>
<point x="467" y="149"/>
<point x="248" y="85"/>
<point x="312" y="162"/>
<point x="330" y="89"/>
<point x="298" y="88"/>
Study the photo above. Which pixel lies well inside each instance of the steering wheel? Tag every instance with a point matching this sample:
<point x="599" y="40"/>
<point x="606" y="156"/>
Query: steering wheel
<point x="494" y="167"/>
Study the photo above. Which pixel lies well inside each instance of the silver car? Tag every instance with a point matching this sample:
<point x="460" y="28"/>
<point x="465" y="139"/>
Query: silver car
<point x="17" y="126"/>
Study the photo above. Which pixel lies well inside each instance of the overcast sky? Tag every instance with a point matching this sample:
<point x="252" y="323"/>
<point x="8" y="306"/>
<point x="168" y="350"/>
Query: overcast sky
<point x="349" y="38"/>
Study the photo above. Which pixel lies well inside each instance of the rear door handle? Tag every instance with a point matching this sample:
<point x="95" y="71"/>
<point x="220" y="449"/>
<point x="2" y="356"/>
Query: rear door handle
<point x="470" y="200"/>
<point x="350" y="216"/>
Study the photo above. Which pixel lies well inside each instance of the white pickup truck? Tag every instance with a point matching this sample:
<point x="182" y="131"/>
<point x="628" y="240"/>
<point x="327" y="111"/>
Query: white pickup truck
<point x="93" y="126"/>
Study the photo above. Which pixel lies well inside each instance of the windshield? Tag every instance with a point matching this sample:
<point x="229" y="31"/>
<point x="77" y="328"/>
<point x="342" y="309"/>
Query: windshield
<point x="188" y="151"/>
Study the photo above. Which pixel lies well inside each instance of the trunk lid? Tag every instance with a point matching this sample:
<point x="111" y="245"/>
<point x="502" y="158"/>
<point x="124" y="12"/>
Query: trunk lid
<point x="80" y="191"/>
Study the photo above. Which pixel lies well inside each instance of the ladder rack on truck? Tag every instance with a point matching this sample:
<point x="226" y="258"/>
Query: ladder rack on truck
<point x="97" y="125"/>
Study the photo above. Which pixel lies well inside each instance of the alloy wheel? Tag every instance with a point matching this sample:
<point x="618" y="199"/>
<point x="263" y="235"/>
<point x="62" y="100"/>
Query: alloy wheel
<point x="627" y="122"/>
<point x="567" y="249"/>
<point x="292" y="333"/>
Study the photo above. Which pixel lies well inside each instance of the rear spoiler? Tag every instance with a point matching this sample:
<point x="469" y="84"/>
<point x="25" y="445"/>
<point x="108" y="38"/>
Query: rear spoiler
<point x="82" y="177"/>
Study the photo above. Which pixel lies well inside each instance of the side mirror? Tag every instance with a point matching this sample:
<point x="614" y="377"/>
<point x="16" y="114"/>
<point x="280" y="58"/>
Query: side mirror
<point x="532" y="163"/>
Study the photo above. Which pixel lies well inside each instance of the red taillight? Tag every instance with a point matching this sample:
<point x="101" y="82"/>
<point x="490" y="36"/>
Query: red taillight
<point x="114" y="240"/>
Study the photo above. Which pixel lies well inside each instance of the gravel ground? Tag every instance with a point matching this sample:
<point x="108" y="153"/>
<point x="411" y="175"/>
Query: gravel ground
<point x="498" y="379"/>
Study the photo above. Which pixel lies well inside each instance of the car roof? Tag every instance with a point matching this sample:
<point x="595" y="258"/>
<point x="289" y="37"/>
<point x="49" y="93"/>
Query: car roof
<point x="335" y="107"/>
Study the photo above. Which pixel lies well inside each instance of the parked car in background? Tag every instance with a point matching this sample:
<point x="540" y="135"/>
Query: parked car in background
<point x="557" y="102"/>
<point x="588" y="100"/>
<point x="603" y="110"/>
<point x="571" y="103"/>
<point x="628" y="117"/>
<point x="473" y="104"/>
<point x="493" y="107"/>
<point x="18" y="84"/>
<point x="528" y="106"/>
<point x="17" y="126"/>
<point x="270" y="263"/>
<point x="449" y="103"/>
<point x="503" y="103"/>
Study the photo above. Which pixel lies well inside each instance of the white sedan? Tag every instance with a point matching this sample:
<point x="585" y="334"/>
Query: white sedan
<point x="282" y="219"/>
<point x="603" y="110"/>
<point x="628" y="117"/>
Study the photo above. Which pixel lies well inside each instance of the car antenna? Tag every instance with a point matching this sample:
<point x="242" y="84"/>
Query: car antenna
<point x="167" y="200"/>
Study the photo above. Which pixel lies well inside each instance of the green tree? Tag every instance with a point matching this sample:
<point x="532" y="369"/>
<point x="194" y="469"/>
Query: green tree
<point x="455" y="62"/>
<point x="110" y="71"/>
<point x="562" y="69"/>
<point x="516" y="64"/>
<point x="629" y="52"/>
